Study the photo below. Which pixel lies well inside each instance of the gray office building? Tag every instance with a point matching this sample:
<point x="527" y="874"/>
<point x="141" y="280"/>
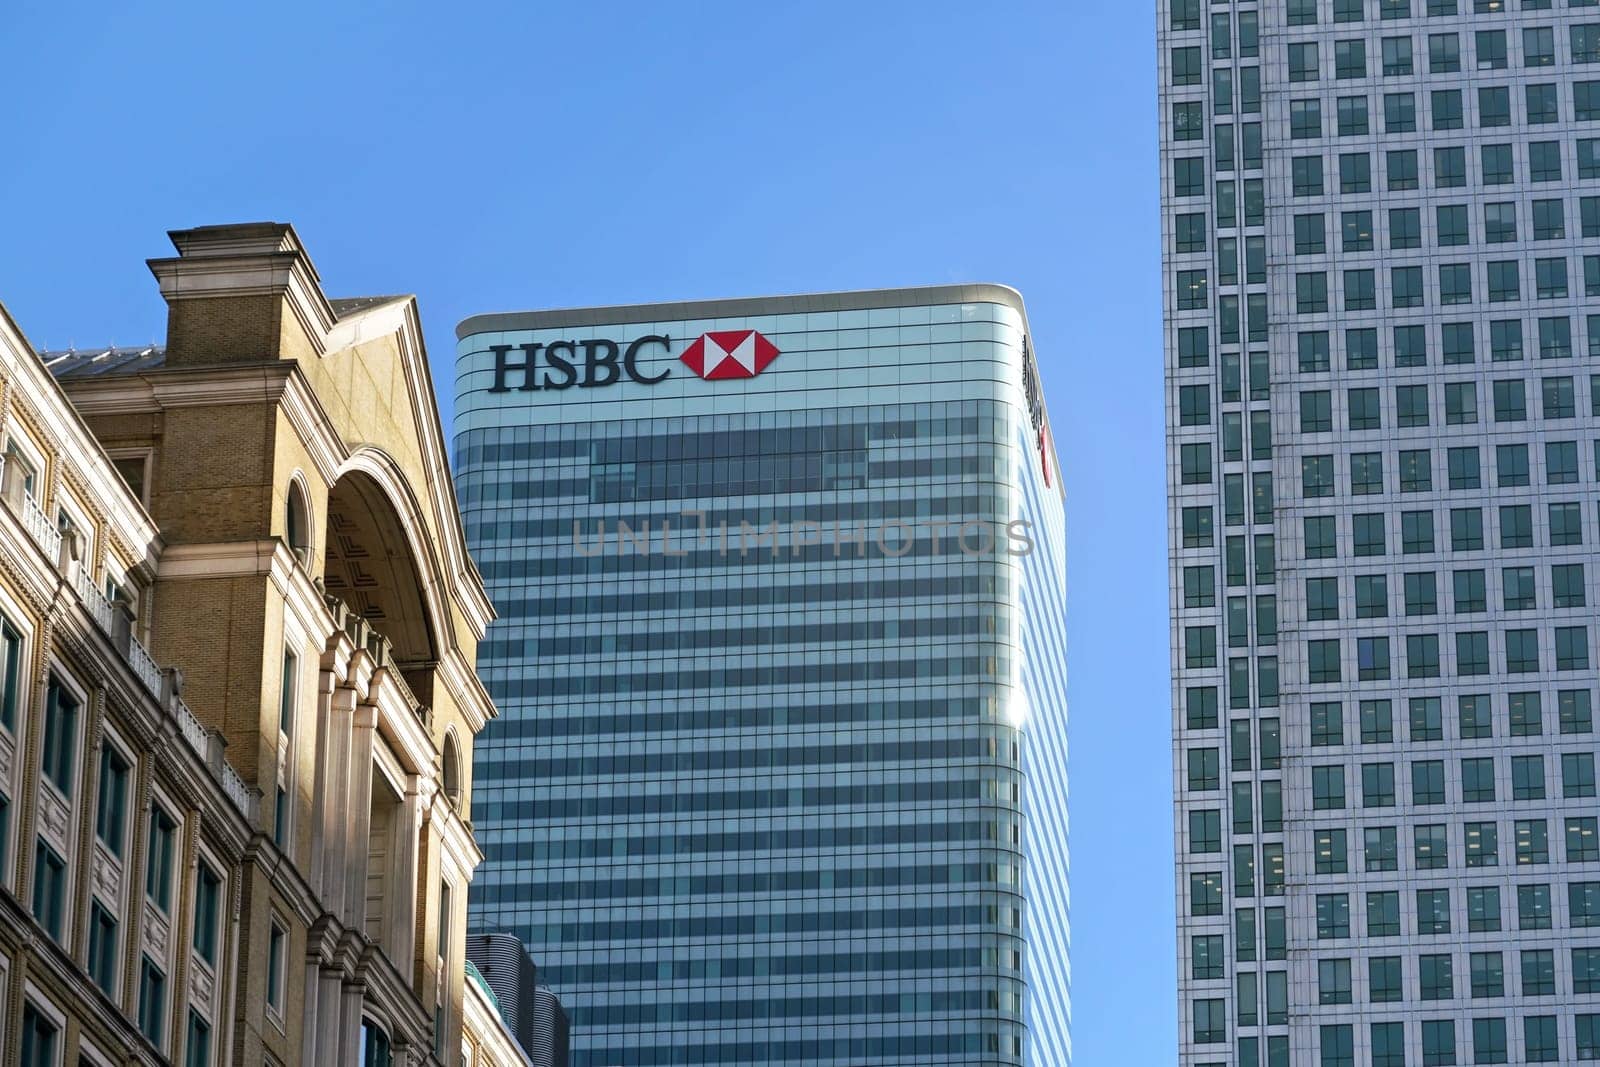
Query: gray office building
<point x="780" y="772"/>
<point x="1381" y="226"/>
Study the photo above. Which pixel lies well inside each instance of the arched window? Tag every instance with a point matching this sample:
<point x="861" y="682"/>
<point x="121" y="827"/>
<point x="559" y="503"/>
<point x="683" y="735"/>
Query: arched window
<point x="452" y="771"/>
<point x="297" y="522"/>
<point x="374" y="1045"/>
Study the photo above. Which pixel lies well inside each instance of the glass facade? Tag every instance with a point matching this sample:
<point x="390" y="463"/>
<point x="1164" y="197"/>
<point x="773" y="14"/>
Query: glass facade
<point x="1382" y="237"/>
<point x="780" y="769"/>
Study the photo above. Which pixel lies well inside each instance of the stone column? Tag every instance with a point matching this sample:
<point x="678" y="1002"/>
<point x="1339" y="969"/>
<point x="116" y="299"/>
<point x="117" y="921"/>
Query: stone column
<point x="335" y="824"/>
<point x="404" y="917"/>
<point x="321" y="775"/>
<point x="358" y="792"/>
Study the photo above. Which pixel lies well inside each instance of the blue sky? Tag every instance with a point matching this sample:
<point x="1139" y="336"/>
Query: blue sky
<point x="491" y="156"/>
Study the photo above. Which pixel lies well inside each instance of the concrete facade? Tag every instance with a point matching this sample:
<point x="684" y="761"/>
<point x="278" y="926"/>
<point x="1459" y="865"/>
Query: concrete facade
<point x="1379" y="222"/>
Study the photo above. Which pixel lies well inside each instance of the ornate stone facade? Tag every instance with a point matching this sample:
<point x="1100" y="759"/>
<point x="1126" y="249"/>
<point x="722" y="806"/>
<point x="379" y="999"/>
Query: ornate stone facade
<point x="237" y="653"/>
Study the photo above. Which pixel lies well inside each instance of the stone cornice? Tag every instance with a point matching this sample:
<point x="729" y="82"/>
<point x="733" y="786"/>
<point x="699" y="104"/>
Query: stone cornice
<point x="130" y="524"/>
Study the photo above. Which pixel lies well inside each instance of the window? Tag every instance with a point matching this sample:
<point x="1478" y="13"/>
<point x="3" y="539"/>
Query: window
<point x="1333" y="916"/>
<point x="1511" y="464"/>
<point x="1320" y="538"/>
<point x="1303" y="61"/>
<point x="1355" y="172"/>
<point x="1372" y="596"/>
<point x="49" y="888"/>
<point x="1197" y="527"/>
<point x="1526" y="714"/>
<point x="1377" y="785"/>
<point x="1575" y="714"/>
<point x="1305" y="119"/>
<point x="1365" y="409"/>
<point x="1567" y="585"/>
<point x="1516" y="526"/>
<point x="159" y="861"/>
<point x="1189" y="177"/>
<point x="60" y="735"/>
<point x="1444" y="53"/>
<point x="1489" y="1041"/>
<point x="103" y="949"/>
<point x="1427" y="782"/>
<point x="1402" y="168"/>
<point x="1436" y="980"/>
<point x="112" y="802"/>
<point x="1337" y="1043"/>
<point x="1191" y="290"/>
<point x="40" y="1038"/>
<point x="1549" y="220"/>
<point x="1421" y="592"/>
<point x="1416" y="471"/>
<point x="1399" y="112"/>
<point x="1377" y="722"/>
<point x="1550" y="278"/>
<point x="1306" y="176"/>
<point x="1483" y="909"/>
<point x="1462" y="465"/>
<point x="1532" y="841"/>
<point x="1527" y="777"/>
<point x="1586" y="101"/>
<point x="152" y="1002"/>
<point x="1572" y="648"/>
<point x="1482" y="841"/>
<point x="1583" y="902"/>
<point x="1311" y="292"/>
<point x="1383" y="911"/>
<point x="1195" y="463"/>
<point x="1210" y="1021"/>
<point x="1333" y="981"/>
<point x="1206" y="956"/>
<point x="1356" y="231"/>
<point x="1327" y="787"/>
<point x="1542" y="104"/>
<point x="1405" y="286"/>
<point x="1577" y="775"/>
<point x="1322" y="599"/>
<point x="1430" y="847"/>
<point x="1322" y="657"/>
<point x="1367" y="533"/>
<point x="197" y="1046"/>
<point x="1316" y="476"/>
<point x="1205" y="831"/>
<point x="1522" y="651"/>
<point x="1455" y="279"/>
<point x="207" y="912"/>
<point x="10" y="673"/>
<point x="1487" y="974"/>
<point x="1331" y="852"/>
<point x="1366" y="473"/>
<point x="1581" y="843"/>
<point x="277" y="946"/>
<point x="1352" y="116"/>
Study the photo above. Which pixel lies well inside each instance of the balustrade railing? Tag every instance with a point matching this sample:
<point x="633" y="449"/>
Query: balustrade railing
<point x="144" y="665"/>
<point x="238" y="792"/>
<point x="193" y="732"/>
<point x="95" y="601"/>
<point x="40" y="528"/>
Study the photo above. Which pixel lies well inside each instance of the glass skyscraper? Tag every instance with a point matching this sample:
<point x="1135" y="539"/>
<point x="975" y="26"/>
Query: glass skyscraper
<point x="780" y="772"/>
<point x="1382" y="236"/>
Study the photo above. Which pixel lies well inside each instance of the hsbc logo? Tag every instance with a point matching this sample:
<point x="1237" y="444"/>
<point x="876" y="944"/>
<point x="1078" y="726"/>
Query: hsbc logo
<point x="729" y="354"/>
<point x="589" y="364"/>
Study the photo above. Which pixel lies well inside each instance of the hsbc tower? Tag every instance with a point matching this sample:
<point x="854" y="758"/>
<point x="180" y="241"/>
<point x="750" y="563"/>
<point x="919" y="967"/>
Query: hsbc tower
<point x="780" y="775"/>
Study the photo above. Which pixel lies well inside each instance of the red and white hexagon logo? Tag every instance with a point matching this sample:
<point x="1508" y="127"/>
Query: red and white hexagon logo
<point x="729" y="354"/>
